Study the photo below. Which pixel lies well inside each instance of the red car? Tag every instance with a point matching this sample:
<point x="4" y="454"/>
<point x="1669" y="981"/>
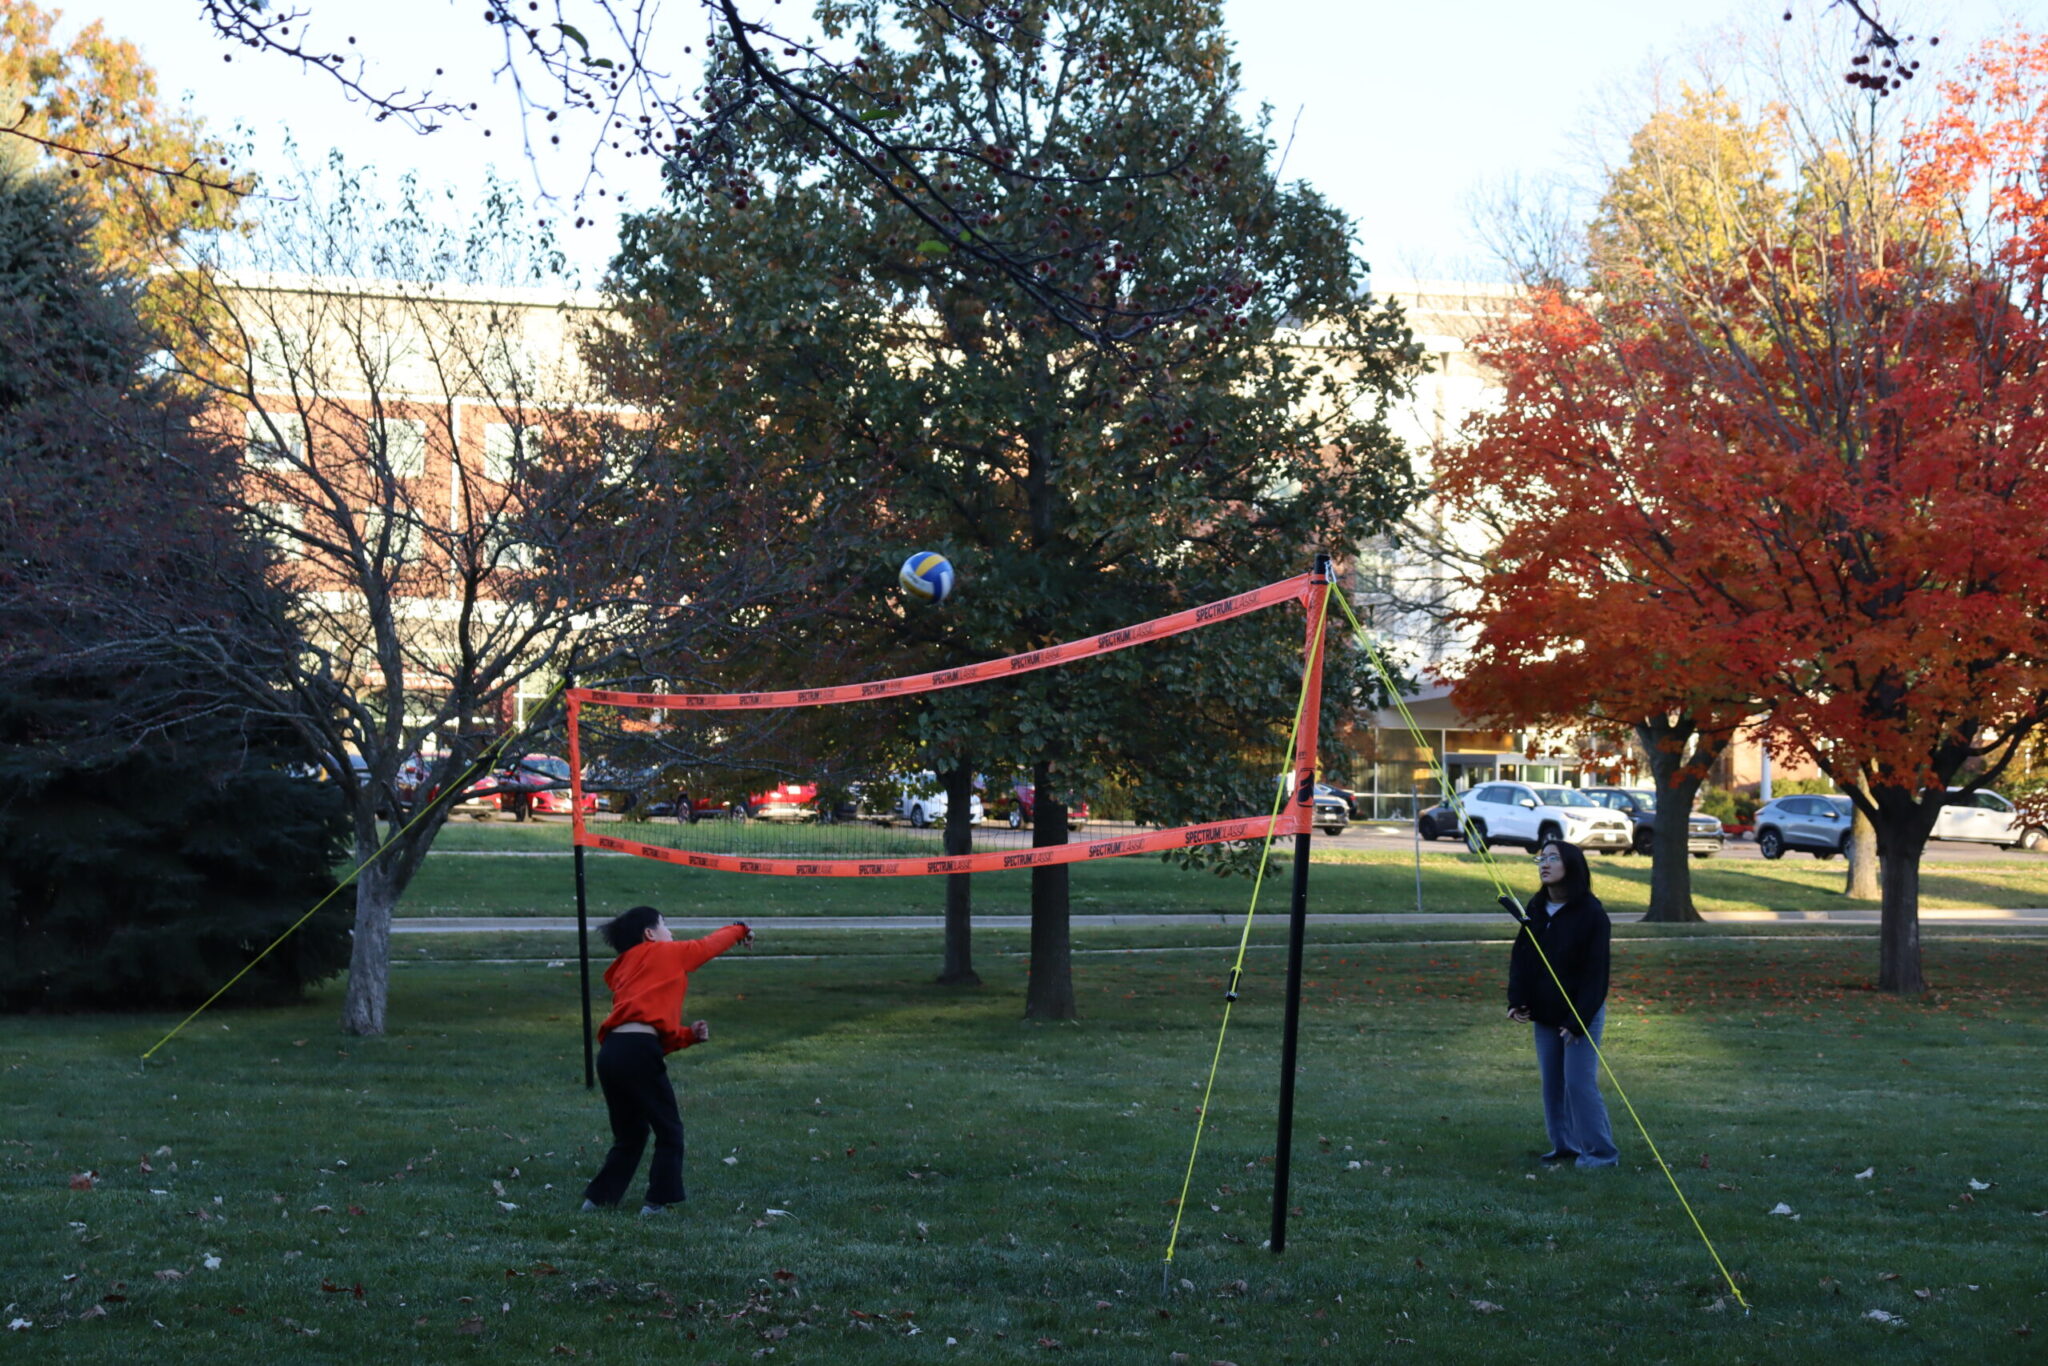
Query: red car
<point x="1017" y="804"/>
<point x="791" y="803"/>
<point x="537" y="784"/>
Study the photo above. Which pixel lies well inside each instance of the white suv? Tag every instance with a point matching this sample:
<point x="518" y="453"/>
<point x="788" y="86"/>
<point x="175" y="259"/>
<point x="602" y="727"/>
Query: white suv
<point x="1986" y="818"/>
<point x="921" y="800"/>
<point x="1529" y="813"/>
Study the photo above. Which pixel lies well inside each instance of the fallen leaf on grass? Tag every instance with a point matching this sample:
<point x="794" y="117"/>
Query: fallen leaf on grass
<point x="473" y="1325"/>
<point x="212" y="1263"/>
<point x="507" y="1206"/>
<point x="98" y="1311"/>
<point x="1486" y="1306"/>
<point x="1866" y="1173"/>
<point x="1887" y="1275"/>
<point x="85" y="1181"/>
<point x="1977" y="1185"/>
<point x="170" y="1273"/>
<point x="1781" y="1208"/>
<point x="1923" y="1294"/>
<point x="1881" y="1316"/>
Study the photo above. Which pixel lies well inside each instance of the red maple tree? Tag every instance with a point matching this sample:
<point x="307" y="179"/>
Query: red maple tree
<point x="1804" y="476"/>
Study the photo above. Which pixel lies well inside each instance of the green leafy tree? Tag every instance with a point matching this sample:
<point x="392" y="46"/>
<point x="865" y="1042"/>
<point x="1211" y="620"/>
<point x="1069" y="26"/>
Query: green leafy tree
<point x="135" y="874"/>
<point x="797" y="314"/>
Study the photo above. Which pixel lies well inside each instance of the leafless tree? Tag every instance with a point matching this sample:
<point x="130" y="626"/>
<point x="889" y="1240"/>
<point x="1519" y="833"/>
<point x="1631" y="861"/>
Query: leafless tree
<point x="458" y="517"/>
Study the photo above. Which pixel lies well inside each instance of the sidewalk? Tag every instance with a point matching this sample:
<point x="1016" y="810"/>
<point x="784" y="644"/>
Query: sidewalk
<point x="567" y="924"/>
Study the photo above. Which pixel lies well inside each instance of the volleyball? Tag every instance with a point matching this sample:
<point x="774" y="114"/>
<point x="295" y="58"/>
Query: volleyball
<point x="926" y="576"/>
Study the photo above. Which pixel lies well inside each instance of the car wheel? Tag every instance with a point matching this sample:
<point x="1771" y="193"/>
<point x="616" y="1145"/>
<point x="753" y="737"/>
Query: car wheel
<point x="1641" y="843"/>
<point x="919" y="819"/>
<point x="1698" y="854"/>
<point x="2033" y="837"/>
<point x="1425" y="827"/>
<point x="1478" y="829"/>
<point x="1016" y="818"/>
<point x="1823" y="855"/>
<point x="1333" y="830"/>
<point x="1770" y="844"/>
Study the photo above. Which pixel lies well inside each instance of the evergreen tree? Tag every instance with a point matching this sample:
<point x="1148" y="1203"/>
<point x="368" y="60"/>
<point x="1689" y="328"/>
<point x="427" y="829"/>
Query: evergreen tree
<point x="154" y="839"/>
<point x="796" y="316"/>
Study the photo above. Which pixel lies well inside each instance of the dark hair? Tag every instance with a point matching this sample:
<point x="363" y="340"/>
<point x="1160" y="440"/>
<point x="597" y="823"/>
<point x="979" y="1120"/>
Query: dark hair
<point x="1578" y="879"/>
<point x="628" y="928"/>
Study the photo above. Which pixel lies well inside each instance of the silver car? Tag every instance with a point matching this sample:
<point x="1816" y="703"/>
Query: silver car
<point x="1816" y="825"/>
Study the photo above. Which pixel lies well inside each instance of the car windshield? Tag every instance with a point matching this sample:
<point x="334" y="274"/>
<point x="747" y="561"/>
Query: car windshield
<point x="554" y="768"/>
<point x="1562" y="796"/>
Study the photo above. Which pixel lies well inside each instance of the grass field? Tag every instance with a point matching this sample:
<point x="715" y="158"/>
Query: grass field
<point x="461" y="879"/>
<point x="963" y="1186"/>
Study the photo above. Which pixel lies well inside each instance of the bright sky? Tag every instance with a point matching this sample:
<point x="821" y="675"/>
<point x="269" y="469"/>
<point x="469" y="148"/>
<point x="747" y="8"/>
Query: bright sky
<point x="1405" y="109"/>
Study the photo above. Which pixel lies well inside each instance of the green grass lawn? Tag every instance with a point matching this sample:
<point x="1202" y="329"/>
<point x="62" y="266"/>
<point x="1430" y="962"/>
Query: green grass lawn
<point x="1344" y="879"/>
<point x="963" y="1186"/>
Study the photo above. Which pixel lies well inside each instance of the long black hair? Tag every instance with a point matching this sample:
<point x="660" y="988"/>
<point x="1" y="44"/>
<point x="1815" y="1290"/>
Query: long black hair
<point x="628" y="928"/>
<point x="1578" y="878"/>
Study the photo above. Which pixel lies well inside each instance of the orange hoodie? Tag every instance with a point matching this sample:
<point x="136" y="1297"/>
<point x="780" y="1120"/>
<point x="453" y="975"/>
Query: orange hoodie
<point x="649" y="981"/>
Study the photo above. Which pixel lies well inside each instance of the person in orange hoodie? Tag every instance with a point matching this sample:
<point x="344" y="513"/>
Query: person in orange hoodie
<point x="648" y="981"/>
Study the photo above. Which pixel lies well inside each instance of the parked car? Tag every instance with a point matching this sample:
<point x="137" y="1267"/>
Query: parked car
<point x="1987" y="818"/>
<point x="1703" y="834"/>
<point x="918" y="798"/>
<point x="627" y="789"/>
<point x="1816" y="825"/>
<point x="1016" y="802"/>
<point x="532" y="785"/>
<point x="1438" y="822"/>
<point x="1333" y="813"/>
<point x="1529" y="813"/>
<point x="785" y="803"/>
<point x="1354" y="801"/>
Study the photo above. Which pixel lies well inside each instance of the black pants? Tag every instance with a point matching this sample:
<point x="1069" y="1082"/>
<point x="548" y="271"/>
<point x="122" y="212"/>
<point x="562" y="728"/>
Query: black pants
<point x="639" y="1097"/>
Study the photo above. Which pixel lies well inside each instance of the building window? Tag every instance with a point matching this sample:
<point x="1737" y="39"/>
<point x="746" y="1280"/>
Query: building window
<point x="503" y="447"/>
<point x="404" y="534"/>
<point x="276" y="441"/>
<point x="281" y="525"/>
<point x="405" y="446"/>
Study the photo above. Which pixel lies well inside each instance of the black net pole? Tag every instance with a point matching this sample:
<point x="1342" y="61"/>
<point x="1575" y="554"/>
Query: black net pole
<point x="582" y="896"/>
<point x="1297" y="933"/>
<point x="1297" y="928"/>
<point x="583" y="956"/>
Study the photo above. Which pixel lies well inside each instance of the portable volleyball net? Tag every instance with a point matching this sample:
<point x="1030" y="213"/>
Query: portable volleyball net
<point x="846" y="795"/>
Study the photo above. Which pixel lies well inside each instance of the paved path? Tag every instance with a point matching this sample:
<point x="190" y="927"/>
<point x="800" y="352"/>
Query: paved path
<point x="770" y="924"/>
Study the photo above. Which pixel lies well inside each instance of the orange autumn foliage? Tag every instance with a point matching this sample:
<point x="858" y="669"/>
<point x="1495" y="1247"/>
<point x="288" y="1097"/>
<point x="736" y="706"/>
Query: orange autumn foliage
<point x="1809" y="478"/>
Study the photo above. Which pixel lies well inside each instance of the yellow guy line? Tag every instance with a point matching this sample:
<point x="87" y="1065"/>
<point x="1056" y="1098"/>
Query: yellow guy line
<point x="1280" y="795"/>
<point x="1585" y="1031"/>
<point x="455" y="787"/>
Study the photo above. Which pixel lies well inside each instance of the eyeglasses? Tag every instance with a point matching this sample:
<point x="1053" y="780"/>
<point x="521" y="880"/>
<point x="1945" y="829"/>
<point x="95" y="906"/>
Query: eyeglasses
<point x="1550" y="858"/>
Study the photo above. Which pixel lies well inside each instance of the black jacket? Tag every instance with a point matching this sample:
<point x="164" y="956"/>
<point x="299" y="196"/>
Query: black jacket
<point x="1575" y="940"/>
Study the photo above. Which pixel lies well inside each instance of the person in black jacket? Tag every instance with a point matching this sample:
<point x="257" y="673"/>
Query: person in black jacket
<point x="1568" y="922"/>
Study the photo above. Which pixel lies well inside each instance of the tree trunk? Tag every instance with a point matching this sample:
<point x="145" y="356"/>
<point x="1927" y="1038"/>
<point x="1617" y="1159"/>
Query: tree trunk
<point x="369" y="960"/>
<point x="1866" y="870"/>
<point x="1902" y="829"/>
<point x="1664" y="742"/>
<point x="1049" y="995"/>
<point x="957" y="969"/>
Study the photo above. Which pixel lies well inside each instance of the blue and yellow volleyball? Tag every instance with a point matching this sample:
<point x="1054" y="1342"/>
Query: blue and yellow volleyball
<point x="927" y="576"/>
